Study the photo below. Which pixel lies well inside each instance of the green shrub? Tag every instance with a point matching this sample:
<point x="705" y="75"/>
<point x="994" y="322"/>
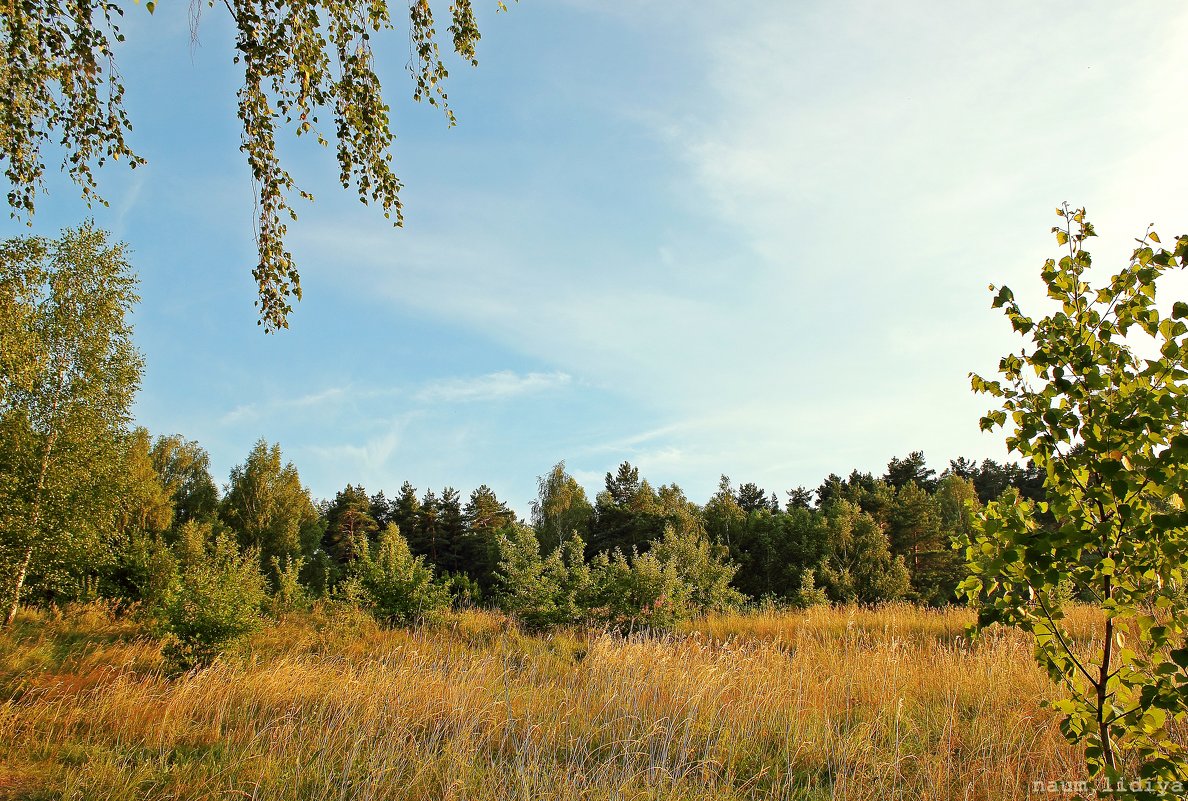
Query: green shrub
<point x="702" y="565"/>
<point x="542" y="592"/>
<point x="683" y="574"/>
<point x="288" y="594"/>
<point x="809" y="594"/>
<point x="642" y="592"/>
<point x="214" y="603"/>
<point x="464" y="590"/>
<point x="398" y="587"/>
<point x="145" y="571"/>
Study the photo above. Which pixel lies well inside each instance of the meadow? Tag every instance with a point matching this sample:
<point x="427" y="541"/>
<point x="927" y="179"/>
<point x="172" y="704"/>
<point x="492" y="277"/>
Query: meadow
<point x="843" y="703"/>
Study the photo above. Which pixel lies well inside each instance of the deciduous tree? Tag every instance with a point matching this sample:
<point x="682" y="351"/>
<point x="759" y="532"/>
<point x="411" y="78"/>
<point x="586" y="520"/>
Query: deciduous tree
<point x="1098" y="400"/>
<point x="267" y="506"/>
<point x="65" y="406"/>
<point x="183" y="467"/>
<point x="561" y="509"/>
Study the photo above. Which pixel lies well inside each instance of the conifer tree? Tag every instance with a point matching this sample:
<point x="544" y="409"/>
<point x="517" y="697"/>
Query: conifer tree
<point x="349" y="525"/>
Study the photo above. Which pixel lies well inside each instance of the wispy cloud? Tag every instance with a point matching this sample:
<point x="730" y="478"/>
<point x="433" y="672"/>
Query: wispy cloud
<point x="373" y="454"/>
<point x="490" y="387"/>
<point x="493" y="386"/>
<point x="249" y="412"/>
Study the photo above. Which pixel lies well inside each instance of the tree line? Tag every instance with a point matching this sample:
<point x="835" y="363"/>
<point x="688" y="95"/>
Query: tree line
<point x="863" y="539"/>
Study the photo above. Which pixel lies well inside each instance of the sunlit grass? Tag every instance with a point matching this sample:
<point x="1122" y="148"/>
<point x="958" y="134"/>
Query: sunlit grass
<point x="829" y="703"/>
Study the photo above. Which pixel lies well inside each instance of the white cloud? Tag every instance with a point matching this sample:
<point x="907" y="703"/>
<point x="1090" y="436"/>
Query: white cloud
<point x="489" y="387"/>
<point x="494" y="386"/>
<point x="250" y="412"/>
<point x="372" y="456"/>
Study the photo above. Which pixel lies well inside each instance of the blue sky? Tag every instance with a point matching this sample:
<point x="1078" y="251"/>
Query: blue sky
<point x="752" y="240"/>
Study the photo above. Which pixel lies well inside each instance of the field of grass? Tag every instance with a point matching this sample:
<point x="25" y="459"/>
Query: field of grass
<point x="829" y="703"/>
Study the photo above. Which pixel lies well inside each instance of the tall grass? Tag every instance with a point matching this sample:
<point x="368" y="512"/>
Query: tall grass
<point x="829" y="703"/>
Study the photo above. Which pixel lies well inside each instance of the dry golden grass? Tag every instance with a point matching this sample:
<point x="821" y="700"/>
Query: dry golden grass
<point x="848" y="704"/>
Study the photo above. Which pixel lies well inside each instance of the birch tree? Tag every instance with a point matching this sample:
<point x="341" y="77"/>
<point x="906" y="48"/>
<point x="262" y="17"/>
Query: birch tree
<point x="65" y="408"/>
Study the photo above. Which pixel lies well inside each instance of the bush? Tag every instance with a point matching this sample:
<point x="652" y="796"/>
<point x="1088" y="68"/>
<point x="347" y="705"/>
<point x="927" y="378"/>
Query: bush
<point x="398" y="587"/>
<point x="683" y="574"/>
<point x="145" y="571"/>
<point x="464" y="590"/>
<point x="215" y="601"/>
<point x="642" y="592"/>
<point x="809" y="594"/>
<point x="542" y="592"/>
<point x="288" y="594"/>
<point x="703" y="565"/>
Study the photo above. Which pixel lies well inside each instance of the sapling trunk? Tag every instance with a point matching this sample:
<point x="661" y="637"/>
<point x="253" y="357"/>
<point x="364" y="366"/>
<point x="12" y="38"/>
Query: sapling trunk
<point x="1103" y="723"/>
<point x="16" y="590"/>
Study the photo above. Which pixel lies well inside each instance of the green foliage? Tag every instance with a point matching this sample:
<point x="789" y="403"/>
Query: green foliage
<point x="774" y="549"/>
<point x="917" y="534"/>
<point x="144" y="502"/>
<point x="484" y="514"/>
<point x="267" y="506"/>
<point x="542" y="591"/>
<point x="398" y="587"/>
<point x="912" y="469"/>
<point x="641" y="592"/>
<point x="21" y="285"/>
<point x="861" y="568"/>
<point x="753" y="498"/>
<point x="145" y="571"/>
<point x="1098" y="401"/>
<point x="869" y="494"/>
<point x="991" y="480"/>
<point x="300" y="61"/>
<point x="809" y="594"/>
<point x="289" y="594"/>
<point x="183" y="468"/>
<point x="349" y="524"/>
<point x="465" y="591"/>
<point x="216" y="601"/>
<point x="67" y="394"/>
<point x="561" y="510"/>
<point x="629" y="514"/>
<point x="59" y="74"/>
<point x="682" y="574"/>
<point x="700" y="564"/>
<point x="724" y="518"/>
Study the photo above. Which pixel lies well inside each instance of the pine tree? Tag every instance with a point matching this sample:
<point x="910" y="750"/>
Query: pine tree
<point x="623" y="486"/>
<point x="452" y="525"/>
<point x="752" y="498"/>
<point x="485" y="515"/>
<point x="425" y="537"/>
<point x="381" y="509"/>
<point x="406" y="511"/>
<point x="910" y="470"/>
<point x="349" y="525"/>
